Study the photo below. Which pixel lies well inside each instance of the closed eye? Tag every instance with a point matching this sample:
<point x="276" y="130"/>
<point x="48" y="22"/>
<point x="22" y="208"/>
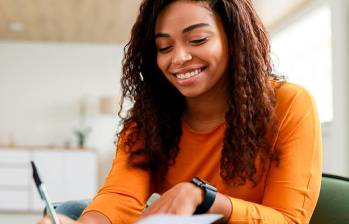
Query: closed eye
<point x="163" y="49"/>
<point x="199" y="41"/>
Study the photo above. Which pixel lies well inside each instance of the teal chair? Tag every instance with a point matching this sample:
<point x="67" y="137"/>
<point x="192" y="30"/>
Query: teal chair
<point x="333" y="204"/>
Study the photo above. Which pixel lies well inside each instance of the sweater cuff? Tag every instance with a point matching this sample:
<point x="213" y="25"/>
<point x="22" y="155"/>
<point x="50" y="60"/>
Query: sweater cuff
<point x="239" y="210"/>
<point x="99" y="205"/>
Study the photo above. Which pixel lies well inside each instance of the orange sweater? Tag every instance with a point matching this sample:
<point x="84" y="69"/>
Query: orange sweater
<point x="287" y="194"/>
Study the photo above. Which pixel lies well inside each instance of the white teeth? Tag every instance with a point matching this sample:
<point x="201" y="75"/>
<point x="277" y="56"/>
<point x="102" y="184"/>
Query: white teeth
<point x="188" y="74"/>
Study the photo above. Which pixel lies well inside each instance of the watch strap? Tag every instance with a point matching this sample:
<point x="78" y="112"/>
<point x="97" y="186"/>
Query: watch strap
<point x="209" y="198"/>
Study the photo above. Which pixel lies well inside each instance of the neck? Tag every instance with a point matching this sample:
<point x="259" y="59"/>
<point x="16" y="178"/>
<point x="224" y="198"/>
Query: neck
<point x="206" y="112"/>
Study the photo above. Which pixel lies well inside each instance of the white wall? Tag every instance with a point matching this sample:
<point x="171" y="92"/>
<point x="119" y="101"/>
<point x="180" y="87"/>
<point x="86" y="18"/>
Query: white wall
<point x="337" y="151"/>
<point x="273" y="10"/>
<point x="336" y="132"/>
<point x="40" y="88"/>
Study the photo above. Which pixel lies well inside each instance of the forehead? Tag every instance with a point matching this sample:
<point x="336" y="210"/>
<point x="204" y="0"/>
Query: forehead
<point x="183" y="13"/>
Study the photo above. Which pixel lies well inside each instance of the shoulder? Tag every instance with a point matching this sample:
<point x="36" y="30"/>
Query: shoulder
<point x="294" y="98"/>
<point x="287" y="92"/>
<point x="296" y="116"/>
<point x="294" y="104"/>
<point x="129" y="137"/>
<point x="130" y="145"/>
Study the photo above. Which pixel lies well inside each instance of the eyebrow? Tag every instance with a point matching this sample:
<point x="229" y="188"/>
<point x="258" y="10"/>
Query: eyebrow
<point x="185" y="30"/>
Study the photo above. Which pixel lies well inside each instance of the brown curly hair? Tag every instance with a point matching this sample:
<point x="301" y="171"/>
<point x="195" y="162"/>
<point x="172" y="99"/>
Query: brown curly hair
<point x="155" y="117"/>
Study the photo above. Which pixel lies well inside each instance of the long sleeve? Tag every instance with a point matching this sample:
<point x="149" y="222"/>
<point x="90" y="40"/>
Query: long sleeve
<point x="124" y="192"/>
<point x="292" y="186"/>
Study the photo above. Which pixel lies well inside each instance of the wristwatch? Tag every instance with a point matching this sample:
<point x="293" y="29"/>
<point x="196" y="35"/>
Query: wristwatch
<point x="210" y="195"/>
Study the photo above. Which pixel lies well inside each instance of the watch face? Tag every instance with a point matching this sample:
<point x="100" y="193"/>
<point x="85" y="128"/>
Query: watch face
<point x="198" y="182"/>
<point x="211" y="187"/>
<point x="203" y="184"/>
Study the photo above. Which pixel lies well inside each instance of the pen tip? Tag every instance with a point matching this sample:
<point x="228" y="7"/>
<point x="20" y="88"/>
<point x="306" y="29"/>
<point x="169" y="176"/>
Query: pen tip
<point x="35" y="174"/>
<point x="33" y="165"/>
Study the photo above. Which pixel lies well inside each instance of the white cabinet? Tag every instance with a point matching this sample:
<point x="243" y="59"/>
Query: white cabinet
<point x="68" y="175"/>
<point x="14" y="180"/>
<point x="14" y="200"/>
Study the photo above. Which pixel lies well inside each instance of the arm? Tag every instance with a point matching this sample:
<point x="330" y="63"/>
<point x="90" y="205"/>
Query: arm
<point x="123" y="195"/>
<point x="292" y="187"/>
<point x="94" y="217"/>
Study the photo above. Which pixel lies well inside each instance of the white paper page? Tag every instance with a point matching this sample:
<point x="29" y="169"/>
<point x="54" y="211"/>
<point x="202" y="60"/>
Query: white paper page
<point x="177" y="219"/>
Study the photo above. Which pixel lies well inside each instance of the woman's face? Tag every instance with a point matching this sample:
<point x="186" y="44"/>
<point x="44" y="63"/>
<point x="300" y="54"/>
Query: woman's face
<point x="192" y="49"/>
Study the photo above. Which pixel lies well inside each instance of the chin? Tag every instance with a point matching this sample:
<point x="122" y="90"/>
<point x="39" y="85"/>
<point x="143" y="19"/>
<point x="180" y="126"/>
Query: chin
<point x="190" y="93"/>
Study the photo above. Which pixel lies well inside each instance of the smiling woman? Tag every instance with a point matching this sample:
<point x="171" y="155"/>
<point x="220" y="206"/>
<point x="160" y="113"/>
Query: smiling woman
<point x="192" y="49"/>
<point x="212" y="129"/>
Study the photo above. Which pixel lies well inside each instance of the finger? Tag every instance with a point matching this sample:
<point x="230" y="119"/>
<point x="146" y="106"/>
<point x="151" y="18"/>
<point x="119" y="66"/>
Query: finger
<point x="163" y="206"/>
<point x="179" y="208"/>
<point x="44" y="220"/>
<point x="155" y="208"/>
<point x="66" y="220"/>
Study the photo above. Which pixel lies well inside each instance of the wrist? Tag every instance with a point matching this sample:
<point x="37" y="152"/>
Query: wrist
<point x="198" y="193"/>
<point x="222" y="205"/>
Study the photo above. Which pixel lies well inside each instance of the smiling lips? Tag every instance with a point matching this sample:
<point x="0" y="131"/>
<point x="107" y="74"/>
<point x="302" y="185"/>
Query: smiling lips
<point x="190" y="74"/>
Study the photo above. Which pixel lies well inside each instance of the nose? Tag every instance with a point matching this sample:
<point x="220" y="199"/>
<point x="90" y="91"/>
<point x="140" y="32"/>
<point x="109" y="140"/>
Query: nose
<point x="180" y="56"/>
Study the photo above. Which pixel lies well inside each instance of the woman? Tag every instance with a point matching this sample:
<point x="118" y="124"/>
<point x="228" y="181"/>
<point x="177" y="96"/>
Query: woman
<point x="207" y="105"/>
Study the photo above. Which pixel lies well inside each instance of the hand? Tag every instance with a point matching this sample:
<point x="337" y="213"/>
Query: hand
<point x="182" y="199"/>
<point x="62" y="218"/>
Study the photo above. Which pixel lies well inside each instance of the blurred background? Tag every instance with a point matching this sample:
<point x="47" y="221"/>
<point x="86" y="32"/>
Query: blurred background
<point x="60" y="65"/>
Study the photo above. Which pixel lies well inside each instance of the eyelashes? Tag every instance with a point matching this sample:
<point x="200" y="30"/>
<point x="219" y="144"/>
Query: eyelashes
<point x="164" y="49"/>
<point x="195" y="42"/>
<point x="199" y="41"/>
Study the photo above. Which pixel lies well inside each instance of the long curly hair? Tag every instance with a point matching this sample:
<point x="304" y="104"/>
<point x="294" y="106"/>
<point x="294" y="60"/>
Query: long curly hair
<point x="155" y="117"/>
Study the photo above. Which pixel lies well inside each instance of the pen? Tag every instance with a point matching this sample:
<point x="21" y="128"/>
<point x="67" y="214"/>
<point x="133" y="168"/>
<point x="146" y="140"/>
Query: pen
<point x="43" y="194"/>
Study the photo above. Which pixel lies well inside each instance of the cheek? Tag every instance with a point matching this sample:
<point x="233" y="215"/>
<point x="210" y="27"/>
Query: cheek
<point x="162" y="63"/>
<point x="217" y="57"/>
<point x="217" y="52"/>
